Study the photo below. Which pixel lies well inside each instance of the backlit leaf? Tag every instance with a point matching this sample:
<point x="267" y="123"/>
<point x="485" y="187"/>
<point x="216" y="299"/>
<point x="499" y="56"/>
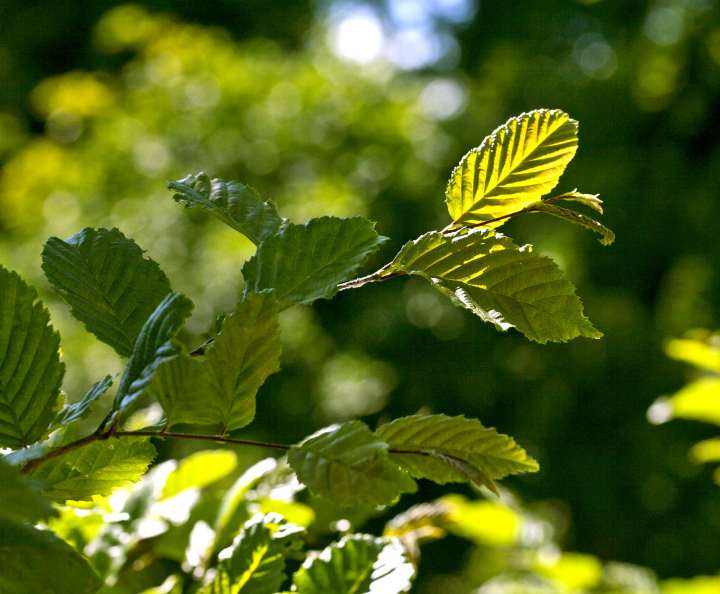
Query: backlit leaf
<point x="574" y="217"/>
<point x="453" y="449"/>
<point x="234" y="204"/>
<point x="108" y="284"/>
<point x="699" y="400"/>
<point x="256" y="564"/>
<point x="485" y="272"/>
<point x="590" y="200"/>
<point x="307" y="262"/>
<point x="97" y="468"/>
<point x="349" y="465"/>
<point x="520" y="162"/>
<point x="199" y="470"/>
<point x="35" y="561"/>
<point x="702" y="351"/>
<point x="30" y="369"/>
<point x="357" y="563"/>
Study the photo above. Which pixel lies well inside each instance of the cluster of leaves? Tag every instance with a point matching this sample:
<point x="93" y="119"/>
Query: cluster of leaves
<point x="699" y="400"/>
<point x="209" y="393"/>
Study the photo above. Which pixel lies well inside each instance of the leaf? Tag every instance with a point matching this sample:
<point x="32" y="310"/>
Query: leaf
<point x="304" y="263"/>
<point x="349" y="465"/>
<point x="483" y="522"/>
<point x="242" y="356"/>
<point x="421" y="523"/>
<point x="19" y="498"/>
<point x="704" y="451"/>
<point x="220" y="386"/>
<point x="199" y="470"/>
<point x="520" y="162"/>
<point x="97" y="468"/>
<point x="485" y="272"/>
<point x="154" y="345"/>
<point x="30" y="369"/>
<point x="234" y="204"/>
<point x="699" y="400"/>
<point x="590" y="200"/>
<point x="453" y="449"/>
<point x="108" y="284"/>
<point x="701" y="353"/>
<point x="358" y="563"/>
<point x="256" y="564"/>
<point x="574" y="217"/>
<point x="35" y="560"/>
<point x="81" y="410"/>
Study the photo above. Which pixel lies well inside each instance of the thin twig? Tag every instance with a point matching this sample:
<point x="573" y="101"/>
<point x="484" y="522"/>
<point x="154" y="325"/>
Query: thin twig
<point x="56" y="453"/>
<point x="218" y="438"/>
<point x="201" y="349"/>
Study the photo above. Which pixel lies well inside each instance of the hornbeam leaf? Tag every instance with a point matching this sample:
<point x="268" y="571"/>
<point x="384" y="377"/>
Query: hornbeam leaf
<point x="453" y="449"/>
<point x="307" y="262"/>
<point x="699" y="348"/>
<point x="485" y="272"/>
<point x="19" y="497"/>
<point x="220" y="386"/>
<point x="698" y="401"/>
<point x="30" y="369"/>
<point x="108" y="284"/>
<point x="590" y="200"/>
<point x="39" y="561"/>
<point x="154" y="345"/>
<point x="574" y="217"/>
<point x="234" y="204"/>
<point x="256" y="564"/>
<point x="80" y="410"/>
<point x="349" y="465"/>
<point x="520" y="162"/>
<point x="357" y="563"/>
<point x="97" y="468"/>
<point x="242" y="356"/>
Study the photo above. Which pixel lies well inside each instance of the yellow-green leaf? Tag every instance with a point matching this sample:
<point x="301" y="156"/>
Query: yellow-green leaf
<point x="520" y="162"/>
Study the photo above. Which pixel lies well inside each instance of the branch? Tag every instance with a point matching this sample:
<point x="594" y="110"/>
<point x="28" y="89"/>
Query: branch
<point x="217" y="438"/>
<point x="56" y="453"/>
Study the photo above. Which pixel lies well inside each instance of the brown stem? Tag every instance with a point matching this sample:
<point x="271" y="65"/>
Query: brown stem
<point x="217" y="438"/>
<point x="33" y="464"/>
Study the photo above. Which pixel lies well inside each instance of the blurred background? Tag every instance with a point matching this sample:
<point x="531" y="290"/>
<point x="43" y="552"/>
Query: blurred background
<point x="364" y="108"/>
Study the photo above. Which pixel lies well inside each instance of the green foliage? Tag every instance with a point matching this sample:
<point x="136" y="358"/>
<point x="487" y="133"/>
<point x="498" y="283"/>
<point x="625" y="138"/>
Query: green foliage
<point x="108" y="284"/>
<point x="358" y="563"/>
<point x="256" y="563"/>
<point x="349" y="465"/>
<point x="19" y="498"/>
<point x="307" y="262"/>
<point x="218" y="387"/>
<point x="234" y="204"/>
<point x="153" y="346"/>
<point x="454" y="449"/>
<point x="520" y="162"/>
<point x="485" y="272"/>
<point x="222" y="540"/>
<point x="30" y="368"/>
<point x="36" y="560"/>
<point x="575" y="217"/>
<point x="95" y="469"/>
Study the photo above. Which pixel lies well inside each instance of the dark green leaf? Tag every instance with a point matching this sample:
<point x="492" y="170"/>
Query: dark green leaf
<point x="80" y="410"/>
<point x="234" y="204"/>
<point x="349" y="465"/>
<point x="37" y="561"/>
<point x="307" y="262"/>
<point x="256" y="564"/>
<point x="485" y="272"/>
<point x="109" y="286"/>
<point x="30" y="369"/>
<point x="520" y="162"/>
<point x="358" y="563"/>
<point x="220" y="386"/>
<point x="154" y="345"/>
<point x="19" y="498"/>
<point x="453" y="449"/>
<point x="97" y="468"/>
